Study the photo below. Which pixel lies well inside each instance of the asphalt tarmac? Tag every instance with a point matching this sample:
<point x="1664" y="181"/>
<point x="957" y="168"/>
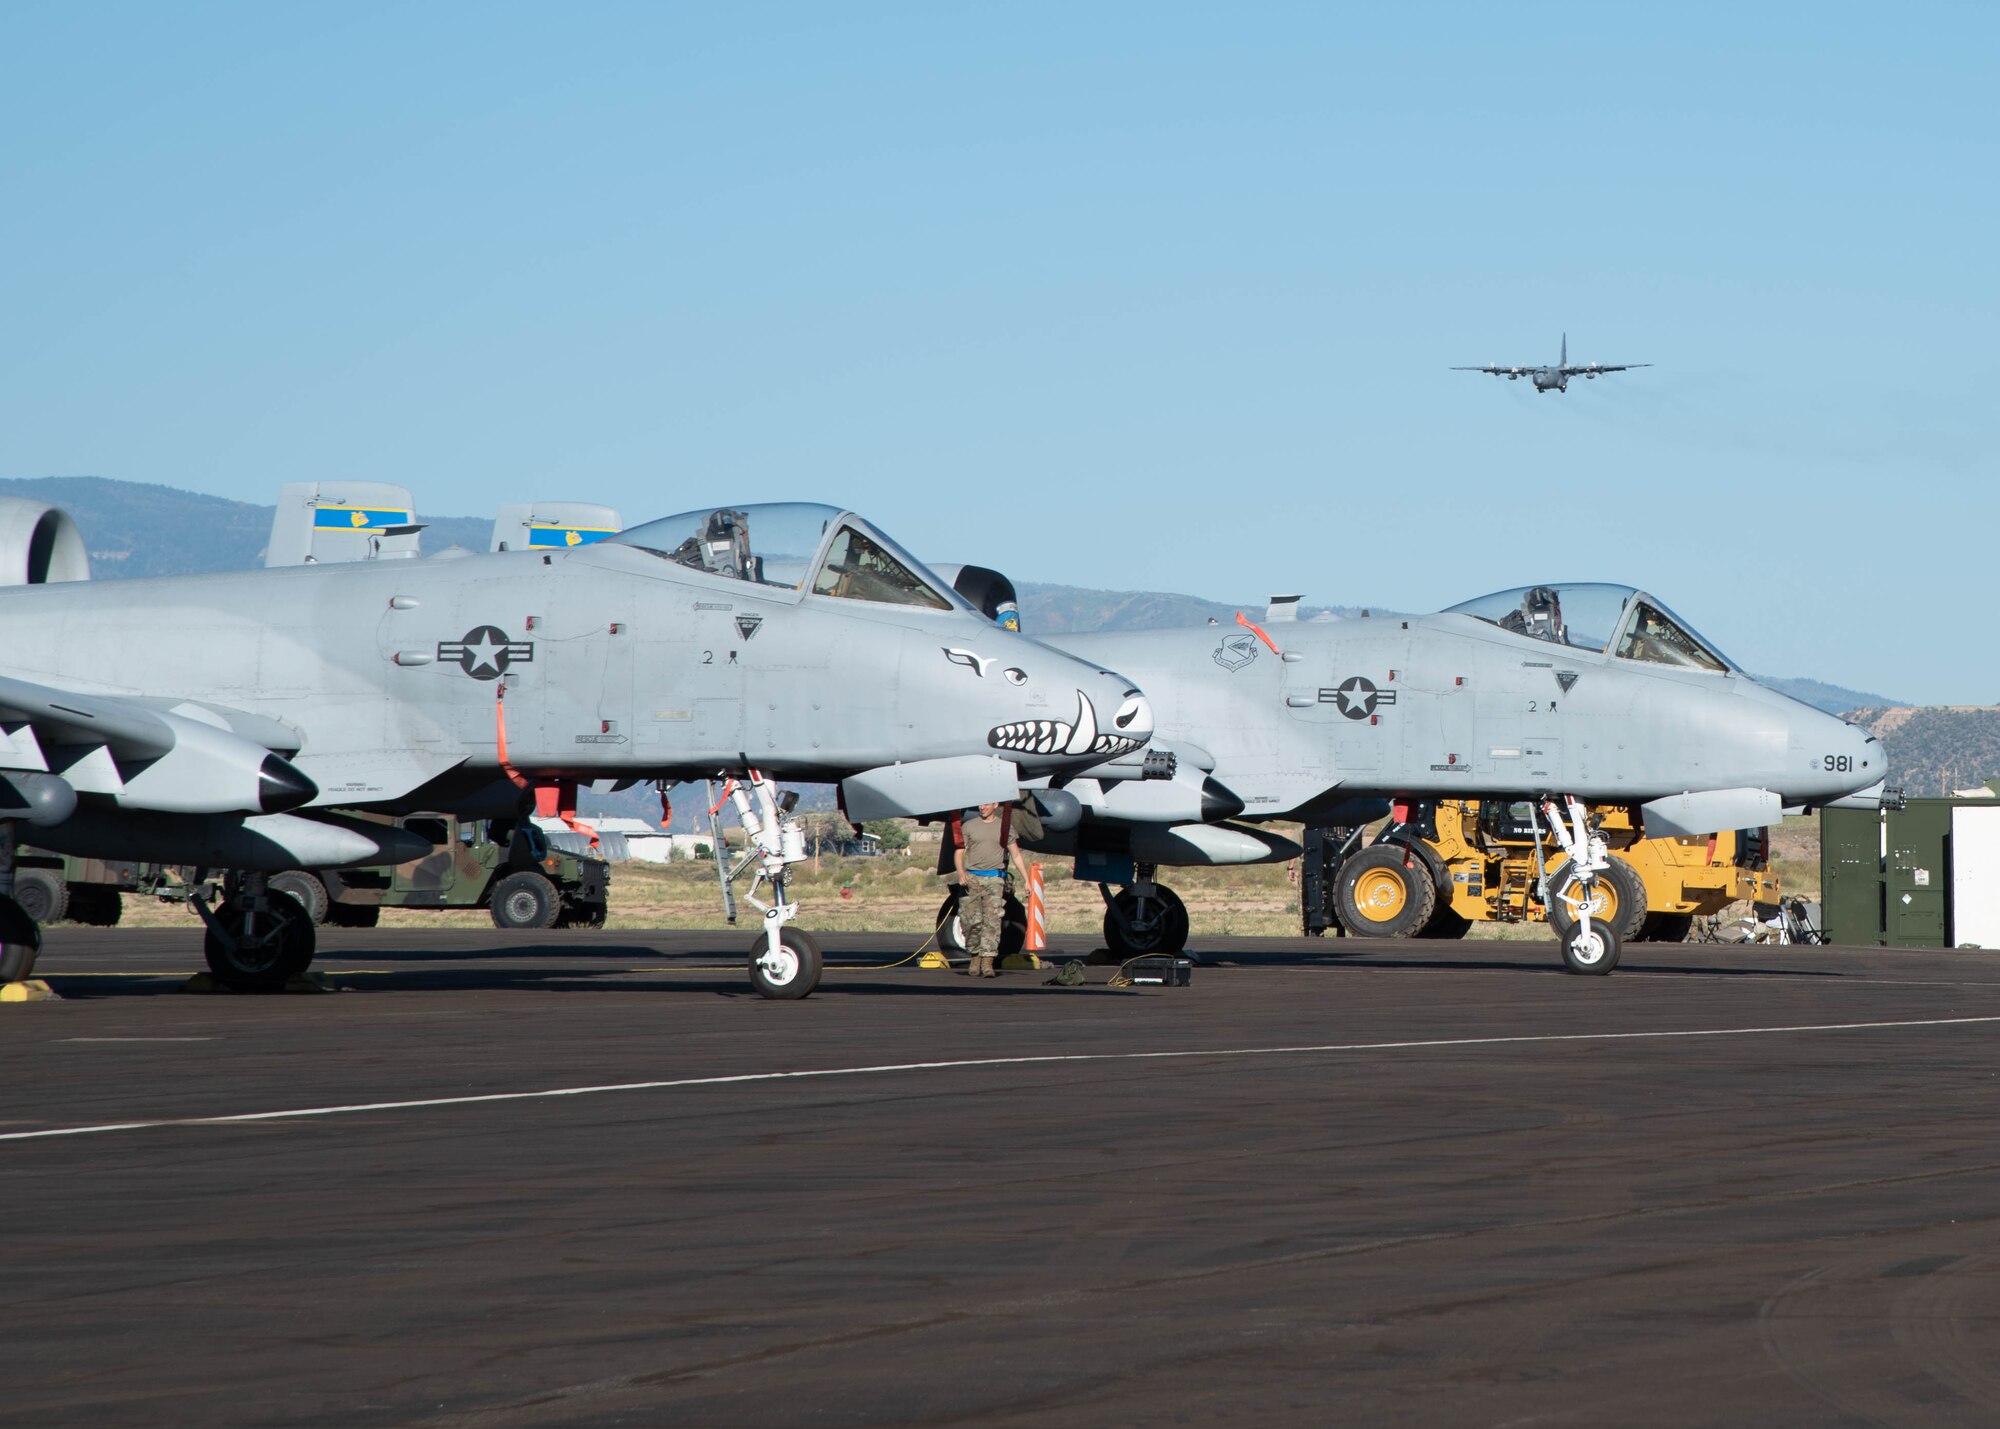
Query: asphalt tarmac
<point x="590" y="1178"/>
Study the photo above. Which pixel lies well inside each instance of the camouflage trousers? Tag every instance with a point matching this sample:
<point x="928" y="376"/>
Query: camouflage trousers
<point x="981" y="909"/>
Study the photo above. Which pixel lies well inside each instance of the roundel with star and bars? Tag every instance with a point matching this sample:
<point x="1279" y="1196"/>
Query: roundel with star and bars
<point x="486" y="653"/>
<point x="1357" y="697"/>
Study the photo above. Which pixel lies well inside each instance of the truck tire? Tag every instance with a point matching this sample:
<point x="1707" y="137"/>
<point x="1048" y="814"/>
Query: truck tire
<point x="42" y="894"/>
<point x="1621" y="899"/>
<point x="1386" y="891"/>
<point x="305" y="890"/>
<point x="98" y="904"/>
<point x="524" y="900"/>
<point x="353" y="915"/>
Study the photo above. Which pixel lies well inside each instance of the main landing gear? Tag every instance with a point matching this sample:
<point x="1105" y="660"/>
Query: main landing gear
<point x="785" y="962"/>
<point x="1144" y="916"/>
<point x="258" y="937"/>
<point x="20" y="935"/>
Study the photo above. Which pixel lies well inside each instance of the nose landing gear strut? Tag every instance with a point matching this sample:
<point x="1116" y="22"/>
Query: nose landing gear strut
<point x="1589" y="945"/>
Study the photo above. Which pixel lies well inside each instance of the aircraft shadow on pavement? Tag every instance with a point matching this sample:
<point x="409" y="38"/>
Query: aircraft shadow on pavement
<point x="1346" y="953"/>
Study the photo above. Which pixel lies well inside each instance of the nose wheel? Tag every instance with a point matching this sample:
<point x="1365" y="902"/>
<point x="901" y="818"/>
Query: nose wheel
<point x="1573" y="895"/>
<point x="786" y="965"/>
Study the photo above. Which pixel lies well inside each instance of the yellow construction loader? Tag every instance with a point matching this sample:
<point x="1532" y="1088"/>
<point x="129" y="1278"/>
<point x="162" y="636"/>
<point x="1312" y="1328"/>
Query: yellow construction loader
<point x="1441" y="866"/>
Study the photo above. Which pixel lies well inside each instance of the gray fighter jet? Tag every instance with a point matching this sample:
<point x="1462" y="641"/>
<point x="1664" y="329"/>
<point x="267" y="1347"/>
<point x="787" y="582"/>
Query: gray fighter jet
<point x="1555" y="693"/>
<point x="213" y="719"/>
<point x="1554" y="378"/>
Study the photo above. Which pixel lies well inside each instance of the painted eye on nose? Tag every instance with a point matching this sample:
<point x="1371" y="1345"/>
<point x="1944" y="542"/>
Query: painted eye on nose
<point x="1133" y="711"/>
<point x="1015" y="676"/>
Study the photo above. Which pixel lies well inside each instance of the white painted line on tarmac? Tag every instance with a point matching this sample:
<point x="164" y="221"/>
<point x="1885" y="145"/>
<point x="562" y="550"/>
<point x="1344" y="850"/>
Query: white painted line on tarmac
<point x="888" y="1068"/>
<point x="135" y="1039"/>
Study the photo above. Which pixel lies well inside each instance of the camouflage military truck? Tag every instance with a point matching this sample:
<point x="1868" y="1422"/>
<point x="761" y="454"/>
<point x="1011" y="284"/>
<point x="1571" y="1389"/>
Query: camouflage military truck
<point x="52" y="887"/>
<point x="505" y="866"/>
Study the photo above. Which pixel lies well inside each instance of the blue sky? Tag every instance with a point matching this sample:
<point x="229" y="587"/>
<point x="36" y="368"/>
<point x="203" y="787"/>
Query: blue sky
<point x="1124" y="295"/>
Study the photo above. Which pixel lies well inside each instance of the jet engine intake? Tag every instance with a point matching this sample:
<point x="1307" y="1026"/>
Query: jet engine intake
<point x="39" y="544"/>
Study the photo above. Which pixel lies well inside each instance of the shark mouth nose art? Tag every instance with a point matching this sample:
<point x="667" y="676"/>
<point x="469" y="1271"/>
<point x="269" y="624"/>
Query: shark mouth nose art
<point x="1055" y="736"/>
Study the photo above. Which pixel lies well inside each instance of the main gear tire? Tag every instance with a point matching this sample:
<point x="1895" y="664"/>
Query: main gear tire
<point x="1135" y="925"/>
<point x="1593" y="953"/>
<point x="42" y="894"/>
<point x="305" y="889"/>
<point x="1665" y="928"/>
<point x="276" y="947"/>
<point x="1013" y="925"/>
<point x="792" y="972"/>
<point x="20" y="941"/>
<point x="1619" y="898"/>
<point x="1386" y="891"/>
<point x="525" y="900"/>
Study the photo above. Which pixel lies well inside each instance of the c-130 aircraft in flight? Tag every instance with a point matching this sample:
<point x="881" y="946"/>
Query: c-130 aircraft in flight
<point x="1554" y="378"/>
<point x="216" y="719"/>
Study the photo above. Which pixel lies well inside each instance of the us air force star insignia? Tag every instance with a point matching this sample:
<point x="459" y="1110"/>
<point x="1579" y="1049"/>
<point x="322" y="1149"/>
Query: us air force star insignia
<point x="486" y="652"/>
<point x="1357" y="697"/>
<point x="748" y="625"/>
<point x="1566" y="678"/>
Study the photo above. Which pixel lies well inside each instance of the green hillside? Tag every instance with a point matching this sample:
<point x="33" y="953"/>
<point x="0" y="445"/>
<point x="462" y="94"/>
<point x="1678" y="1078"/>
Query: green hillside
<point x="1934" y="749"/>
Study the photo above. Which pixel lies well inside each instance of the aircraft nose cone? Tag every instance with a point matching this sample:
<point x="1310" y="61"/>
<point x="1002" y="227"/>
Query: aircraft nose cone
<point x="281" y="786"/>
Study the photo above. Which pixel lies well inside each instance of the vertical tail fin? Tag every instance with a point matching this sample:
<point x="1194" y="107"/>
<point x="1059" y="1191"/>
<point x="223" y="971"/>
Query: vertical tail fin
<point x="1563" y="361"/>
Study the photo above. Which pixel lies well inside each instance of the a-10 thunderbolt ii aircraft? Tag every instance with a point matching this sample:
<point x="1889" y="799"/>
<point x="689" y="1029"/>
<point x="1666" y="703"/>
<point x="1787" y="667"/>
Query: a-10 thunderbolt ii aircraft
<point x="1556" y="378"/>
<point x="1559" y="694"/>
<point x="212" y="719"/>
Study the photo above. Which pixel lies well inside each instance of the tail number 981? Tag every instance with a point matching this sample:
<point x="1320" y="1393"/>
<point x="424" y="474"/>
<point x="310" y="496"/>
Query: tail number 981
<point x="1837" y="763"/>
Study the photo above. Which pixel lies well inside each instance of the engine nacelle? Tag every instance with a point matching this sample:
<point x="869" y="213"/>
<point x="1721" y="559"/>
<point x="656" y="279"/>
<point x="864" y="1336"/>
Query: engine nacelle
<point x="39" y="544"/>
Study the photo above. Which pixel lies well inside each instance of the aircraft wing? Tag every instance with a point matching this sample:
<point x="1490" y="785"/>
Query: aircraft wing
<point x="1589" y="369"/>
<point x="143" y="754"/>
<point x="1495" y="369"/>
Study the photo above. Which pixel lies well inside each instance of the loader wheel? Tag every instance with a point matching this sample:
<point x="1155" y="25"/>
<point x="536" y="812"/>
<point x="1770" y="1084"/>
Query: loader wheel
<point x="1665" y="928"/>
<point x="1385" y="892"/>
<point x="1620" y="900"/>
<point x="1447" y="922"/>
<point x="525" y="900"/>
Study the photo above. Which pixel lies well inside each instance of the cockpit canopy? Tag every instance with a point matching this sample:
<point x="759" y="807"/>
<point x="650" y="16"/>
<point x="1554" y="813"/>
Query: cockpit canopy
<point x="1610" y="619"/>
<point x="795" y="545"/>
